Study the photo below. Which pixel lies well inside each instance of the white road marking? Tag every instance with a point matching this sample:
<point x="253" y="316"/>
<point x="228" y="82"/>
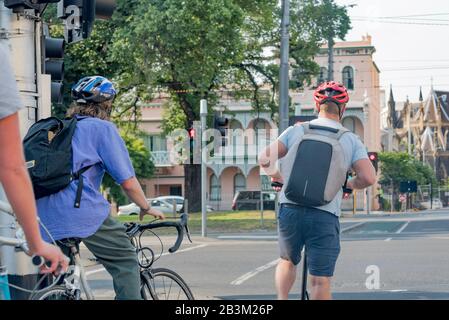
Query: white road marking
<point x="388" y="240"/>
<point x="352" y="227"/>
<point x="248" y="237"/>
<point x="399" y="290"/>
<point x="254" y="272"/>
<point x="405" y="225"/>
<point x="101" y="269"/>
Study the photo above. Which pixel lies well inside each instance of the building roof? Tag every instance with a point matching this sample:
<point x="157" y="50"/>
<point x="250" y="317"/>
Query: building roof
<point x="364" y="43"/>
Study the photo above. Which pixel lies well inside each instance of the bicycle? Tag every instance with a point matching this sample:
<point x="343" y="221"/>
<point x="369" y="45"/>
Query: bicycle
<point x="75" y="282"/>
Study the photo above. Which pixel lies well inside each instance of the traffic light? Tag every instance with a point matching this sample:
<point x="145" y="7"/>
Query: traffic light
<point x="221" y="124"/>
<point x="374" y="158"/>
<point x="53" y="63"/>
<point x="192" y="144"/>
<point x="83" y="14"/>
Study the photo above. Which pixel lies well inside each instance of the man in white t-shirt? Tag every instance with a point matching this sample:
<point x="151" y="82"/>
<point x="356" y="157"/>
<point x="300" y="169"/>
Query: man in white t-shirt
<point x="315" y="228"/>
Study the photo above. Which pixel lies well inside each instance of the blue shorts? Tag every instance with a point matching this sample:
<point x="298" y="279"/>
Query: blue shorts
<point x="317" y="230"/>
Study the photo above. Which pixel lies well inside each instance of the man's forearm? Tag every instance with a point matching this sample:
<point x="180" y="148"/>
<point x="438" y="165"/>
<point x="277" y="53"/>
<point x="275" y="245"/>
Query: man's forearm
<point x="358" y="184"/>
<point x="135" y="193"/>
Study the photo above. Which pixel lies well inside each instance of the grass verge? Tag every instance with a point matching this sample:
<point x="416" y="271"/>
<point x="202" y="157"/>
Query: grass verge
<point x="225" y="222"/>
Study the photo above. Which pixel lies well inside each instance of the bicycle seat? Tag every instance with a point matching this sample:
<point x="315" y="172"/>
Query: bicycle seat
<point x="70" y="242"/>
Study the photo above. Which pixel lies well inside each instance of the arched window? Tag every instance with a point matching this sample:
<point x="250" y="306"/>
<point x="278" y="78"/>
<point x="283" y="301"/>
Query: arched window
<point x="348" y="78"/>
<point x="349" y="123"/>
<point x="239" y="182"/>
<point x="322" y="76"/>
<point x="235" y="124"/>
<point x="214" y="188"/>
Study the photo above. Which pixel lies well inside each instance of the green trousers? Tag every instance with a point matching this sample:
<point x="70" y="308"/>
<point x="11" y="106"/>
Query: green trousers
<point x="114" y="250"/>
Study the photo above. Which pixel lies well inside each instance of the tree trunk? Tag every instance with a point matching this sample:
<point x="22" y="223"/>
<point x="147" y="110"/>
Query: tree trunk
<point x="192" y="182"/>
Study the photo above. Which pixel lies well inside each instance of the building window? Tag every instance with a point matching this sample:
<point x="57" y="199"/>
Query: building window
<point x="215" y="188"/>
<point x="348" y="78"/>
<point x="239" y="183"/>
<point x="322" y="76"/>
<point x="156" y="143"/>
<point x="349" y="123"/>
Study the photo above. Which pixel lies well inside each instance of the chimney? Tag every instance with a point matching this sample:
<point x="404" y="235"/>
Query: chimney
<point x="368" y="38"/>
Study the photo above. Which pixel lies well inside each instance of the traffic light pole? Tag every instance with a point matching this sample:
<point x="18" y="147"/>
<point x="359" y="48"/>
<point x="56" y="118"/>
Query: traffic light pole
<point x="203" y="114"/>
<point x="284" y="72"/>
<point x="20" y="33"/>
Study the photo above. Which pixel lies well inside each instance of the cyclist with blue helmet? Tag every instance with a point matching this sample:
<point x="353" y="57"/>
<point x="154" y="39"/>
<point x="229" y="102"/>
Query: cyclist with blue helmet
<point x="96" y="143"/>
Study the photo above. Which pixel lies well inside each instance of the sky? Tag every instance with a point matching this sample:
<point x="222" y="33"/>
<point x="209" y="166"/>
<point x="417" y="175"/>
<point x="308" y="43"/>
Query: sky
<point x="411" y="51"/>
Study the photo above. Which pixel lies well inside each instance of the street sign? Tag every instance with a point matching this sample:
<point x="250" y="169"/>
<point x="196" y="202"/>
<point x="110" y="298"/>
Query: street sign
<point x="408" y="187"/>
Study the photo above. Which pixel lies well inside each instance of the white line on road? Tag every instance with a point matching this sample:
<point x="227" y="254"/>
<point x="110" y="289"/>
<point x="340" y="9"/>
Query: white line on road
<point x="388" y="240"/>
<point x="255" y="272"/>
<point x="405" y="225"/>
<point x="242" y="237"/>
<point x="101" y="269"/>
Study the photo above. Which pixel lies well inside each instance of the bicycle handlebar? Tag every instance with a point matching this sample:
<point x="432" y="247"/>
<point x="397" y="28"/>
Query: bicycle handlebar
<point x="181" y="227"/>
<point x="14" y="242"/>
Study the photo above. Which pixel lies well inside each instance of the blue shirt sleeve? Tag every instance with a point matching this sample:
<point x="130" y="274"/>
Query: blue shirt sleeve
<point x="285" y="137"/>
<point x="359" y="151"/>
<point x="114" y="155"/>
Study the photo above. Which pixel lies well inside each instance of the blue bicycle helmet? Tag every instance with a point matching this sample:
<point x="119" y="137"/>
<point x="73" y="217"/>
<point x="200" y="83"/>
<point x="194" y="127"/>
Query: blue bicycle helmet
<point x="95" y="89"/>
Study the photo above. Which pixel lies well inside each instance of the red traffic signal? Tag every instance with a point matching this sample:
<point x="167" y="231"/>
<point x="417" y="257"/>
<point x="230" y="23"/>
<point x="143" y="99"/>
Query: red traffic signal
<point x="192" y="133"/>
<point x="374" y="158"/>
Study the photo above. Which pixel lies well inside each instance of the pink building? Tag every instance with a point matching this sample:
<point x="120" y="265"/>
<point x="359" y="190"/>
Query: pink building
<point x="354" y="66"/>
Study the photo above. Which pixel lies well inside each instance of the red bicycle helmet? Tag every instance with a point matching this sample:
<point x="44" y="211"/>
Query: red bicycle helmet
<point x="331" y="91"/>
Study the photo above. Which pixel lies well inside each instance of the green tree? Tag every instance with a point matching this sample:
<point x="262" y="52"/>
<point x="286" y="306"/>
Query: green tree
<point x="192" y="51"/>
<point x="400" y="166"/>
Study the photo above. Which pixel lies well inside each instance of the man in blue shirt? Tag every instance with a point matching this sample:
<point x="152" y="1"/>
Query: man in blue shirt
<point x="13" y="173"/>
<point x="316" y="229"/>
<point x="97" y="143"/>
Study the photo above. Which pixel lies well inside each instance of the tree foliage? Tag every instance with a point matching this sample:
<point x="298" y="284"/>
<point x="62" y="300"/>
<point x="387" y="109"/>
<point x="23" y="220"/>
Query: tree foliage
<point x="199" y="48"/>
<point x="400" y="166"/>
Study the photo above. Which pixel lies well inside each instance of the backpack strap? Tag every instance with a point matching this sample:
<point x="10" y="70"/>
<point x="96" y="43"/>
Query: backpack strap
<point x="79" y="190"/>
<point x="338" y="133"/>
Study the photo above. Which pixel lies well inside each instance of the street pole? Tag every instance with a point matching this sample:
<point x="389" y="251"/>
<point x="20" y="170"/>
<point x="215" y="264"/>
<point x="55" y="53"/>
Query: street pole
<point x="203" y="114"/>
<point x="284" y="71"/>
<point x="330" y="72"/>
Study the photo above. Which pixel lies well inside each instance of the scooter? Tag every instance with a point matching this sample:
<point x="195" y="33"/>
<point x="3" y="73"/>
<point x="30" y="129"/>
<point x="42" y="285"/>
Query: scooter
<point x="304" y="293"/>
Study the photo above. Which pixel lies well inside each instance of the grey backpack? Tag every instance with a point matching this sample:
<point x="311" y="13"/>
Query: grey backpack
<point x="315" y="168"/>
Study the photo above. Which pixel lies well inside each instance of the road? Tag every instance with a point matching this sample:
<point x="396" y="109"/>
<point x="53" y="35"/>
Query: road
<point x="409" y="253"/>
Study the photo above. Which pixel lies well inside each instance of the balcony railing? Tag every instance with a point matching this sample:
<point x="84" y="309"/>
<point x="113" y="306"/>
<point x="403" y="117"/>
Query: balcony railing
<point x="161" y="158"/>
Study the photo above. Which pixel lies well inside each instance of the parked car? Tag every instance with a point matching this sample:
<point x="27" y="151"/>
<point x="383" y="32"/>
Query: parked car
<point x="178" y="199"/>
<point x="132" y="209"/>
<point x="180" y="202"/>
<point x="250" y="200"/>
<point x="436" y="204"/>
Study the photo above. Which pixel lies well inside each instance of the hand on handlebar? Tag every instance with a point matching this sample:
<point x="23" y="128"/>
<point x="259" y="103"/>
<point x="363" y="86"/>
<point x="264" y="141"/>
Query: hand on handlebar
<point x="57" y="260"/>
<point x="277" y="184"/>
<point x="152" y="212"/>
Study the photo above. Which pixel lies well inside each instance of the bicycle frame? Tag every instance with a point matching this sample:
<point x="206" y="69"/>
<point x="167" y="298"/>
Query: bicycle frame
<point x="76" y="279"/>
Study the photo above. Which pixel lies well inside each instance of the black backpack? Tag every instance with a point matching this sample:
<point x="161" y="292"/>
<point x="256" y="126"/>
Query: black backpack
<point x="48" y="152"/>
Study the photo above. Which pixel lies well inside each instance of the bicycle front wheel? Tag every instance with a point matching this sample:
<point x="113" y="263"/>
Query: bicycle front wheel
<point x="164" y="284"/>
<point x="54" y="293"/>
